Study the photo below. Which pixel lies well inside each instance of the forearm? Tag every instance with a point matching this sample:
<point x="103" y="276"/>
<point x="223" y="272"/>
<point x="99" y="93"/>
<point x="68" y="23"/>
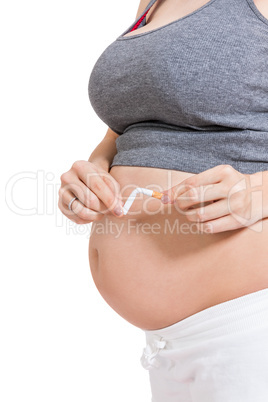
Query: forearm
<point x="105" y="151"/>
<point x="260" y="183"/>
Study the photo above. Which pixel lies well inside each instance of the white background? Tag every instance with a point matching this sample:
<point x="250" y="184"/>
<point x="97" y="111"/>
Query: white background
<point x="60" y="341"/>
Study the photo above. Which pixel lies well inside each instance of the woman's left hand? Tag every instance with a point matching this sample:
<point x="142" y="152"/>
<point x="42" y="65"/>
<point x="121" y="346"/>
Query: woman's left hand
<point x="234" y="203"/>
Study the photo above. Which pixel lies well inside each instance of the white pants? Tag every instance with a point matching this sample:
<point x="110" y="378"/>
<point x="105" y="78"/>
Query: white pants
<point x="219" y="354"/>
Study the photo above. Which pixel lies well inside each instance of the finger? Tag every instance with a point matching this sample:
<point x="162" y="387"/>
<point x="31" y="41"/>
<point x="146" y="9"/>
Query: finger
<point x="75" y="218"/>
<point x="170" y="195"/>
<point x="212" y="211"/>
<point x="81" y="211"/>
<point x="200" y="195"/>
<point x="208" y="177"/>
<point x="85" y="213"/>
<point x="113" y="185"/>
<point x="94" y="181"/>
<point x="75" y="187"/>
<point x="220" y="225"/>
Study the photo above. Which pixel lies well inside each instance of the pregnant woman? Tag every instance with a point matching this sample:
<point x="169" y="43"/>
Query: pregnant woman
<point x="184" y="93"/>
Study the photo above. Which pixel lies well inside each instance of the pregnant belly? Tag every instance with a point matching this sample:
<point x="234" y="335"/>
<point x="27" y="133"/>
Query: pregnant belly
<point x="154" y="268"/>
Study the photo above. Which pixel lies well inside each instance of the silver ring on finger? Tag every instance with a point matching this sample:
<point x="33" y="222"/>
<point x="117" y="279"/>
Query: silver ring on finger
<point x="70" y="203"/>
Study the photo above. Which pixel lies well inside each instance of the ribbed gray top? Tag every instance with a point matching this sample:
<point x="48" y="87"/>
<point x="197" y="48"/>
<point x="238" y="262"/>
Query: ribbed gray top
<point x="191" y="94"/>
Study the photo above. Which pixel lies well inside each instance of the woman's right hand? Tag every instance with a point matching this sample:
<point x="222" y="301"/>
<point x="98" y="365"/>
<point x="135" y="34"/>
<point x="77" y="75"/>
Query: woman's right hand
<point x="97" y="192"/>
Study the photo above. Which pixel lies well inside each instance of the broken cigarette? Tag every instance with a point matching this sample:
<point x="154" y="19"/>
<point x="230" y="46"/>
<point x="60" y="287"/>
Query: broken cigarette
<point x="138" y="190"/>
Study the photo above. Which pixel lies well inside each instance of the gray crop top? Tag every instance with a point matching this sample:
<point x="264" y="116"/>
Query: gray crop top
<point x="191" y="94"/>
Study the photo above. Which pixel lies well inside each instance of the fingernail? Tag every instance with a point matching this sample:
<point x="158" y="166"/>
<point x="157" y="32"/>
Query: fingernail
<point x="165" y="198"/>
<point x="118" y="211"/>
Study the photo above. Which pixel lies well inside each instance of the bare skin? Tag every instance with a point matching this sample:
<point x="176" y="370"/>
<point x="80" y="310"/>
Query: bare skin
<point x="153" y="276"/>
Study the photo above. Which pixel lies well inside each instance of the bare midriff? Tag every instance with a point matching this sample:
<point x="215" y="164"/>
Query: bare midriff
<point x="154" y="268"/>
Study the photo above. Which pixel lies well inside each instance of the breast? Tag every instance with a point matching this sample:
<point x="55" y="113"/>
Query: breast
<point x="191" y="75"/>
